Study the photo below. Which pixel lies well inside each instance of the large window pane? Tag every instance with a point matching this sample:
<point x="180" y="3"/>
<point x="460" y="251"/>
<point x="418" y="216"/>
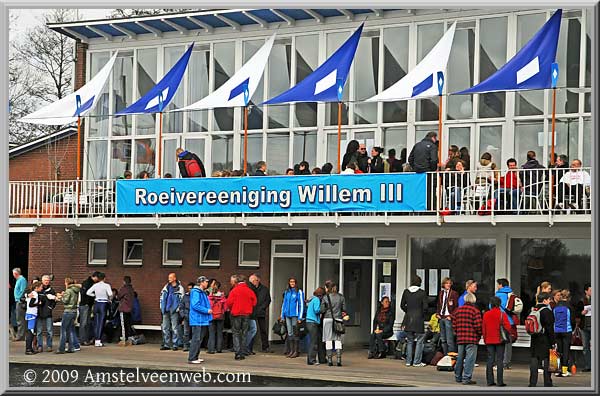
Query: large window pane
<point x="278" y="153"/>
<point x="588" y="45"/>
<point x="222" y="152"/>
<point x="395" y="67"/>
<point x="280" y="67"/>
<point x="366" y="77"/>
<point x="255" y="117"/>
<point x="492" y="56"/>
<point x="169" y="164"/>
<point x="529" y="102"/>
<point x="528" y="136"/>
<point x="305" y="147"/>
<point x="427" y="37"/>
<point x="195" y="146"/>
<point x="461" y="259"/>
<point x="146" y="76"/>
<point x="588" y="142"/>
<point x="307" y="60"/>
<point x="358" y="246"/>
<point x="99" y="114"/>
<point x="198" y="88"/>
<point x="97" y="154"/>
<point x="122" y="92"/>
<point x="254" y="151"/>
<point x="567" y="54"/>
<point x="120" y="159"/>
<point x="567" y="138"/>
<point x="395" y="138"/>
<point x="490" y="141"/>
<point x="461" y="66"/>
<point x="332" y="152"/>
<point x="144" y="156"/>
<point x="173" y="122"/>
<point x="565" y="263"/>
<point x="224" y="54"/>
<point x="459" y="136"/>
<point x="329" y="269"/>
<point x="334" y="41"/>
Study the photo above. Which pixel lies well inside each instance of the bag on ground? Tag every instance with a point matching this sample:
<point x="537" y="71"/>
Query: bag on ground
<point x="446" y="363"/>
<point x="436" y="358"/>
<point x="137" y="339"/>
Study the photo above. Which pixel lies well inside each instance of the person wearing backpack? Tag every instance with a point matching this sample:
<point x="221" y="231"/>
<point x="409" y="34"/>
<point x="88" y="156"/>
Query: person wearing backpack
<point x="512" y="306"/>
<point x="492" y="321"/>
<point x="540" y="325"/>
<point x="190" y="164"/>
<point x="564" y="323"/>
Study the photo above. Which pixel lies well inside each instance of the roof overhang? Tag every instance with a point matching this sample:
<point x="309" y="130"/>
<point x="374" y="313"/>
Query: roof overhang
<point x="42" y="141"/>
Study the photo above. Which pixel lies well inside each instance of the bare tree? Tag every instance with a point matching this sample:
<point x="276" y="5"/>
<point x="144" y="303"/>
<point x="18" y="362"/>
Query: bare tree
<point x="132" y="12"/>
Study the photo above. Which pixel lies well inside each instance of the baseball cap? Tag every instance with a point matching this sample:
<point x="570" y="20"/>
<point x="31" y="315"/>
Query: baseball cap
<point x="202" y="279"/>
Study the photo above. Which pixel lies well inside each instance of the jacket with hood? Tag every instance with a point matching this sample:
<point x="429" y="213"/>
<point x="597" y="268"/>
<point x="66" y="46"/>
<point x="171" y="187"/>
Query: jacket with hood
<point x="70" y="298"/>
<point x="184" y="158"/>
<point x="414" y="304"/>
<point x="125" y="295"/>
<point x="424" y="156"/>
<point x="313" y="310"/>
<point x="563" y="318"/>
<point x="184" y="307"/>
<point x="199" y="307"/>
<point x="47" y="303"/>
<point x="542" y="343"/>
<point x="503" y="294"/>
<point x="241" y="300"/>
<point x="293" y="304"/>
<point x="532" y="177"/>
<point x="178" y="293"/>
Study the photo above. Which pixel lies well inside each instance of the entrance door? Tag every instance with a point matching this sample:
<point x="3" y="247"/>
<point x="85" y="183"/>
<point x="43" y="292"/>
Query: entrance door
<point x="358" y="292"/>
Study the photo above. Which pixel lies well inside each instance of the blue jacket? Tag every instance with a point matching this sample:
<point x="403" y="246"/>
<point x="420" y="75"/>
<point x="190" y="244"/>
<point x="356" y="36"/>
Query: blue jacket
<point x="313" y="311"/>
<point x="562" y="318"/>
<point x="293" y="304"/>
<point x="199" y="306"/>
<point x="502" y="294"/>
<point x="136" y="312"/>
<point x="178" y="293"/>
<point x="461" y="299"/>
<point x="20" y="288"/>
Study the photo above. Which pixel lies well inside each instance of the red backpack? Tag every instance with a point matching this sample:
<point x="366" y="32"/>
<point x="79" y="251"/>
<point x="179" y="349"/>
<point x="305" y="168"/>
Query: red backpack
<point x="217" y="304"/>
<point x="533" y="322"/>
<point x="192" y="168"/>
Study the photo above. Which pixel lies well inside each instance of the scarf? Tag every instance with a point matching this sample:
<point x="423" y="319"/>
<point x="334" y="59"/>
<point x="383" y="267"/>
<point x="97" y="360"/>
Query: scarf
<point x="382" y="315"/>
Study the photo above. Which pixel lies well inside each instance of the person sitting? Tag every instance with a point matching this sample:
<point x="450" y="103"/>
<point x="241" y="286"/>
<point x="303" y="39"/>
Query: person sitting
<point x="383" y="327"/>
<point x="455" y="182"/>
<point x="510" y="185"/>
<point x="576" y="185"/>
<point x="303" y="169"/>
<point x="326" y="168"/>
<point x="485" y="170"/>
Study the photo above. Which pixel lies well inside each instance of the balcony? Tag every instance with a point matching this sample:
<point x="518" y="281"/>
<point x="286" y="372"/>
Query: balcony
<point x="514" y="196"/>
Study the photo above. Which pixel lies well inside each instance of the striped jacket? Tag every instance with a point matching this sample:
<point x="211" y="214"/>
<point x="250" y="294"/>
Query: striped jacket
<point x="466" y="322"/>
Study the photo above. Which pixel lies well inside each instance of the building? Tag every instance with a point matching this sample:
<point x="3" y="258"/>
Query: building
<point x="365" y="252"/>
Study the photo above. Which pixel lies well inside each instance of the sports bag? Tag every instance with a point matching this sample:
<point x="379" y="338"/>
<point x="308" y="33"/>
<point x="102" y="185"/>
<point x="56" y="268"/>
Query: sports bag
<point x="137" y="339"/>
<point x="515" y="304"/>
<point x="533" y="322"/>
<point x="192" y="167"/>
<point x="436" y="358"/>
<point x="446" y="363"/>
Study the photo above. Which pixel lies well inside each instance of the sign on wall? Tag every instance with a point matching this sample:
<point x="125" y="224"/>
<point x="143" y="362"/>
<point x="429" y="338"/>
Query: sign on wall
<point x="385" y="192"/>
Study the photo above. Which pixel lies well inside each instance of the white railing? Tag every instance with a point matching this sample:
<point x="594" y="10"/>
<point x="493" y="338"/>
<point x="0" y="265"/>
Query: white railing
<point x="449" y="193"/>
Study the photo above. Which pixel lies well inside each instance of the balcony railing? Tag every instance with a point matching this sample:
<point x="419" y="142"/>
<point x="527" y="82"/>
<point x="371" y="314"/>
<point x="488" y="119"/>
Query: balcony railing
<point x="450" y="194"/>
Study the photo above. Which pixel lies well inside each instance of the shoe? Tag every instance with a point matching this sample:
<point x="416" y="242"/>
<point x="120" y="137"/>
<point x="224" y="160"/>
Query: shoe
<point x="558" y="375"/>
<point x="501" y="384"/>
<point x="49" y="349"/>
<point x="458" y="380"/>
<point x="408" y="364"/>
<point x="98" y="344"/>
<point x="219" y="351"/>
<point x="175" y="348"/>
<point x="370" y="356"/>
<point x="469" y="382"/>
<point x="507" y="367"/>
<point x="59" y="352"/>
<point x="39" y="350"/>
<point x="267" y="350"/>
<point x="310" y="363"/>
<point x="211" y="352"/>
<point x="567" y="374"/>
<point x="317" y="363"/>
<point x="29" y="353"/>
<point x="71" y="351"/>
<point x="492" y="384"/>
<point x="164" y="348"/>
<point x="476" y="365"/>
<point x="197" y="361"/>
<point x="419" y="365"/>
<point x="540" y="371"/>
<point x="252" y="353"/>
<point x="76" y="349"/>
<point x="531" y="386"/>
<point x="186" y="349"/>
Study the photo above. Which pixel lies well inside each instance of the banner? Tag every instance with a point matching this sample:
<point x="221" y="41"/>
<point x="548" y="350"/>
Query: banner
<point x="384" y="192"/>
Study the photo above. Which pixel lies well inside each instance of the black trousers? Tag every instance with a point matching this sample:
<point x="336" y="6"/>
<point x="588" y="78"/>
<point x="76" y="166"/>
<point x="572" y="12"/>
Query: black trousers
<point x="376" y="344"/>
<point x="127" y="324"/>
<point x="495" y="354"/>
<point x="262" y="327"/>
<point x="239" y="328"/>
<point x="533" y="371"/>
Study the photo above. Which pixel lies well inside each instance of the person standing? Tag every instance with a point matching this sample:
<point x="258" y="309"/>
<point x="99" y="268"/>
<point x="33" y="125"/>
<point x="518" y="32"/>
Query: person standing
<point x="85" y="310"/>
<point x="189" y="164"/>
<point x="542" y="342"/>
<point x="18" y="293"/>
<point x="292" y="311"/>
<point x="376" y="162"/>
<point x="102" y="293"/>
<point x="470" y="287"/>
<point x="47" y="303"/>
<point x="217" y="304"/>
<point x="261" y="169"/>
<point x="351" y="155"/>
<point x="414" y="304"/>
<point x="383" y="327"/>
<point x="564" y="322"/>
<point x="70" y="299"/>
<point x="33" y="303"/>
<point x="492" y="321"/>
<point x="241" y="302"/>
<point x="263" y="300"/>
<point x="200" y="318"/>
<point x="334" y="308"/>
<point x="447" y="302"/>
<point x="424" y="158"/>
<point x="184" y="315"/>
<point x="585" y="307"/>
<point x="466" y="322"/>
<point x="126" y="295"/>
<point x="313" y="320"/>
<point x="170" y="297"/>
<point x="504" y="293"/>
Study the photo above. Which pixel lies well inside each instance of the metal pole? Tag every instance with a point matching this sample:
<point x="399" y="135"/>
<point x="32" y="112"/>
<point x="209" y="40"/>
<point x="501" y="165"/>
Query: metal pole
<point x="245" y="139"/>
<point x="339" y="142"/>
<point x="439" y="178"/>
<point x="160" y="128"/>
<point x="551" y="189"/>
<point x="78" y="157"/>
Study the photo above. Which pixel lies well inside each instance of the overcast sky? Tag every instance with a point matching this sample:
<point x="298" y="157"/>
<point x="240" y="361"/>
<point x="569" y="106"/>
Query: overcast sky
<point x="28" y="18"/>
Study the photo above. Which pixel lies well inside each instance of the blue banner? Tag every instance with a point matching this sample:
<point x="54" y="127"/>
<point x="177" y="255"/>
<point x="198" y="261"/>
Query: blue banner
<point x="385" y="192"/>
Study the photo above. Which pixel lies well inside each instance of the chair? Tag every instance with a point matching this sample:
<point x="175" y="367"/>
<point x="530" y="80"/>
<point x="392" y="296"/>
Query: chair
<point x="534" y="193"/>
<point x="474" y="196"/>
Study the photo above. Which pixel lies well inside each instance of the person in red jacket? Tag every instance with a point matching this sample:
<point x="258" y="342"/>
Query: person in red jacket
<point x="241" y="302"/>
<point x="492" y="320"/>
<point x="466" y="322"/>
<point x="447" y="302"/>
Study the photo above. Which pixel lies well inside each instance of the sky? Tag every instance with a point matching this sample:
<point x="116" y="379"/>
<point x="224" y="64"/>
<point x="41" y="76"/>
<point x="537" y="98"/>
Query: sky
<point x="28" y="18"/>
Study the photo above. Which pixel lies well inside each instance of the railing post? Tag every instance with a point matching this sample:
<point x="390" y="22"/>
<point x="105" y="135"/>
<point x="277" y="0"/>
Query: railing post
<point x="38" y="198"/>
<point x="77" y="190"/>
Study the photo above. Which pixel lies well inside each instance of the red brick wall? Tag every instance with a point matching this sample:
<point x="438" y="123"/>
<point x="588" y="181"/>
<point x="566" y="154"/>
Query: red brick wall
<point x="81" y="53"/>
<point x="51" y="249"/>
<point x="42" y="163"/>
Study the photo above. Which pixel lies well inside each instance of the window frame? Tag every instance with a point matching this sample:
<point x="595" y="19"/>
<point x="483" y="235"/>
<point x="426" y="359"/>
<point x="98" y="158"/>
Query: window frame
<point x="208" y="263"/>
<point x="132" y="262"/>
<point x="91" y="260"/>
<point x="165" y="253"/>
<point x="241" y="262"/>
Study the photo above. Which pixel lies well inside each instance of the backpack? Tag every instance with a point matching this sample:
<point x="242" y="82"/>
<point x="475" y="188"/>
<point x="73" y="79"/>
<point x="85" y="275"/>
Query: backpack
<point x="533" y="322"/>
<point x="514" y="304"/>
<point x="218" y="307"/>
<point x="192" y="168"/>
<point x="446" y="363"/>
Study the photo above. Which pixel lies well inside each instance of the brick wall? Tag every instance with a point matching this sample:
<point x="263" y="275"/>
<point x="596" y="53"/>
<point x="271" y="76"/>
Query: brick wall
<point x="54" y="161"/>
<point x="52" y="249"/>
<point x="81" y="53"/>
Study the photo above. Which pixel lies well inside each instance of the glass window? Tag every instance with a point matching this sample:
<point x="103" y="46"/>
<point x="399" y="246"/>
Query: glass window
<point x="395" y="67"/>
<point x="173" y="252"/>
<point x="460" y="259"/>
<point x="386" y="247"/>
<point x="460" y="137"/>
<point x="529" y="102"/>
<point x="224" y="58"/>
<point x="366" y="77"/>
<point x="358" y="247"/>
<point x="146" y="79"/>
<point x="490" y="141"/>
<point x="133" y="251"/>
<point x="528" y="136"/>
<point x="332" y="148"/>
<point x="169" y="164"/>
<point x="567" y="54"/>
<point x="195" y="146"/>
<point x="289" y="248"/>
<point x="427" y="37"/>
<point x="173" y="122"/>
<point x="280" y="68"/>
<point x="567" y="138"/>
<point x="97" y="153"/>
<point x="144" y="156"/>
<point x="366" y="138"/>
<point x="588" y="46"/>
<point x="97" y="251"/>
<point x="249" y="253"/>
<point x="255" y="143"/>
<point x="587" y="142"/>
<point x="198" y="87"/>
<point x="305" y="147"/>
<point x="334" y="41"/>
<point x="210" y="252"/>
<point x="120" y="159"/>
<point x="307" y="60"/>
<point x="255" y="114"/>
<point x="587" y="103"/>
<point x="278" y="153"/>
<point x="222" y="152"/>
<point x="99" y="123"/>
<point x="461" y="65"/>
<point x="329" y="247"/>
<point x="395" y="138"/>
<point x="565" y="263"/>
<point x="492" y="56"/>
<point x="421" y="131"/>
<point x="122" y="92"/>
<point x="329" y="269"/>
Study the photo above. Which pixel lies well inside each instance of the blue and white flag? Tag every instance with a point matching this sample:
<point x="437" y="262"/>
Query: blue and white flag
<point x="427" y="78"/>
<point x="531" y="68"/>
<point x="79" y="103"/>
<point x="159" y="97"/>
<point x="326" y="83"/>
<point x="238" y="90"/>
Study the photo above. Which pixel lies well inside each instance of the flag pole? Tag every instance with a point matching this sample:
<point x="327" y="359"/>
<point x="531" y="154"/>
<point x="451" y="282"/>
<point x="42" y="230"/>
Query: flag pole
<point x="440" y="84"/>
<point x="554" y="79"/>
<point x="78" y="156"/>
<point x="160" y="129"/>
<point x="245" y="139"/>
<point x="339" y="138"/>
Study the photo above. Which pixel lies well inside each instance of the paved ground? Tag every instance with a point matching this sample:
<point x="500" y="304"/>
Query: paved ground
<point x="356" y="369"/>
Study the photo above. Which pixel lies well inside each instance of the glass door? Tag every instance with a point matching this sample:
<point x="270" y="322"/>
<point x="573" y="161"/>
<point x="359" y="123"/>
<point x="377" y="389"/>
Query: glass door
<point x="462" y="137"/>
<point x="357" y="290"/>
<point x="489" y="140"/>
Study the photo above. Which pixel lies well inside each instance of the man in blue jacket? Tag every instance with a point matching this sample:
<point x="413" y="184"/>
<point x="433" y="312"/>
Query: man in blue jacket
<point x="170" y="297"/>
<point x="200" y="318"/>
<point x="503" y="292"/>
<point x="19" y="291"/>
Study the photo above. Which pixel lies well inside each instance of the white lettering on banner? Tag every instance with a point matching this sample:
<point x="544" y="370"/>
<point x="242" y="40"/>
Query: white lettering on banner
<point x="332" y="194"/>
<point x="387" y="192"/>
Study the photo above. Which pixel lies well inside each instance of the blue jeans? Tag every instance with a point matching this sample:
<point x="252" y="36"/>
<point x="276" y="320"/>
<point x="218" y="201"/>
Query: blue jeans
<point x="251" y="334"/>
<point x="291" y="322"/>
<point x="41" y="322"/>
<point x="586" y="335"/>
<point x="99" y="319"/>
<point x="411" y="337"/>
<point x="85" y="326"/>
<point x="170" y="329"/>
<point x="67" y="329"/>
<point x="187" y="331"/>
<point x="215" y="335"/>
<point x="514" y="198"/>
<point x="447" y="336"/>
<point x="198" y="333"/>
<point x="465" y="362"/>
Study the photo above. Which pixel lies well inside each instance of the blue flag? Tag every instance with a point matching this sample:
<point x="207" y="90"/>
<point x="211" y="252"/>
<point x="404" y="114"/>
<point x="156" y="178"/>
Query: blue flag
<point x="326" y="83"/>
<point x="531" y="67"/>
<point x="155" y="100"/>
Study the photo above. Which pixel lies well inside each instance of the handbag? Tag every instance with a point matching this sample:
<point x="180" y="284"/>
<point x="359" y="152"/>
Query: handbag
<point x="279" y="328"/>
<point x="505" y="335"/>
<point x="338" y="324"/>
<point x="554" y="365"/>
<point x="576" y="338"/>
<point x="300" y="329"/>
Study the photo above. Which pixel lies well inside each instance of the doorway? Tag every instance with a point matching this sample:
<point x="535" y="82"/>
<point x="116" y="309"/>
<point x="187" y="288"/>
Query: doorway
<point x="357" y="290"/>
